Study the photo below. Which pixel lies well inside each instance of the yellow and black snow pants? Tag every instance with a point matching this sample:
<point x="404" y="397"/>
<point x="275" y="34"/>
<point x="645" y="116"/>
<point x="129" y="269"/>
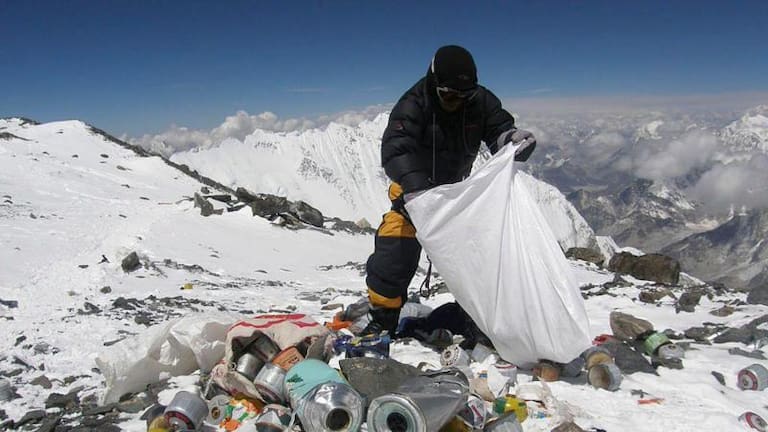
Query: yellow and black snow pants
<point x="395" y="256"/>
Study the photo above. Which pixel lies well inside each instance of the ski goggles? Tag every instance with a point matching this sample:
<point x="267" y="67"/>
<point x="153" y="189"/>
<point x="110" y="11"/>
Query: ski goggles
<point x="449" y="94"/>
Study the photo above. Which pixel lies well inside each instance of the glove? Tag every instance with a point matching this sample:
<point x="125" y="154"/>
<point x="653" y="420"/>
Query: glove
<point x="524" y="139"/>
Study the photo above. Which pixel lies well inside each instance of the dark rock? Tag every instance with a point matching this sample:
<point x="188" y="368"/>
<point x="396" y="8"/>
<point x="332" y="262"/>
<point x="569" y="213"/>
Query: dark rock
<point x="700" y="334"/>
<point x="269" y="206"/>
<point x="206" y="208"/>
<point x="33" y="416"/>
<point x="627" y="359"/>
<point x="143" y="319"/>
<point x="64" y="401"/>
<point x="223" y="198"/>
<point x="688" y="301"/>
<point x="19" y="340"/>
<point x="742" y="335"/>
<point x="719" y="377"/>
<point x="124" y="303"/>
<point x="50" y="423"/>
<point x="104" y="155"/>
<point x="106" y="290"/>
<point x="723" y="311"/>
<point x="671" y="363"/>
<point x="653" y="267"/>
<point x="628" y="327"/>
<point x="654" y="295"/>
<point x="756" y="354"/>
<point x="307" y="214"/>
<point x="373" y="377"/>
<point x="673" y="335"/>
<point x="245" y="195"/>
<point x="10" y="304"/>
<point x="135" y="404"/>
<point x="131" y="262"/>
<point x="88" y="309"/>
<point x="98" y="410"/>
<point x="205" y="190"/>
<point x="586" y="254"/>
<point x="568" y="427"/>
<point x="758" y="295"/>
<point x="43" y="382"/>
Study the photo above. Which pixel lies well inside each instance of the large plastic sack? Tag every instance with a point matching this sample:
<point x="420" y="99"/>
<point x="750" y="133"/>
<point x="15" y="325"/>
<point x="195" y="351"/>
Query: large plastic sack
<point x="498" y="256"/>
<point x="178" y="347"/>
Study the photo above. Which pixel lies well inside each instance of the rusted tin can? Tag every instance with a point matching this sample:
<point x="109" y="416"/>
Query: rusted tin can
<point x="270" y="383"/>
<point x="606" y="376"/>
<point x="186" y="411"/>
<point x="754" y="421"/>
<point x="596" y="355"/>
<point x="265" y="348"/>
<point x="248" y="365"/>
<point x="753" y="377"/>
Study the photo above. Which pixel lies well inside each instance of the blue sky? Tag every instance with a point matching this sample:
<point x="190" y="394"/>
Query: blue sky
<point x="137" y="67"/>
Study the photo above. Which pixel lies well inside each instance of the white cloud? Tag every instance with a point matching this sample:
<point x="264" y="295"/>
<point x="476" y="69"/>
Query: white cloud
<point x="743" y="183"/>
<point x="242" y="124"/>
<point x="677" y="157"/>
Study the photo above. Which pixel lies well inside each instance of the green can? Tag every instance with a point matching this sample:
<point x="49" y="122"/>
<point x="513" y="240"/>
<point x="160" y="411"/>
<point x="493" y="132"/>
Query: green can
<point x="654" y="341"/>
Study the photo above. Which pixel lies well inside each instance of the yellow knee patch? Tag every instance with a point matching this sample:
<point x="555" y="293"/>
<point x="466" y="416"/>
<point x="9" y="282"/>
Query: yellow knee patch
<point x="378" y="300"/>
<point x="395" y="225"/>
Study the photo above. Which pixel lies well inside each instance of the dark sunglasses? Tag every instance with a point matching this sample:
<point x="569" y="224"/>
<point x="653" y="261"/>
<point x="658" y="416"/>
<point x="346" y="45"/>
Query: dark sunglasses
<point x="448" y="94"/>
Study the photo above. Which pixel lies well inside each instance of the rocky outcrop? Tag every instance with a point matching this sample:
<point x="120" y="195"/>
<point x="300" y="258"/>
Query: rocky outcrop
<point x="586" y="254"/>
<point x="654" y="267"/>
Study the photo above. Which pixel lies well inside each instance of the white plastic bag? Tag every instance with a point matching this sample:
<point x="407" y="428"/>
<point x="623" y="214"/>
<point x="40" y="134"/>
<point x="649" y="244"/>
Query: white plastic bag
<point x="498" y="256"/>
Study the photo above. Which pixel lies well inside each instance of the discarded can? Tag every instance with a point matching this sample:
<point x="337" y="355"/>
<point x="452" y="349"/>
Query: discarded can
<point x="322" y="398"/>
<point x="596" y="355"/>
<point x="186" y="411"/>
<point x="654" y="341"/>
<point x="273" y="418"/>
<point x="264" y="348"/>
<point x="454" y="356"/>
<point x="287" y="358"/>
<point x="507" y="370"/>
<point x="152" y="413"/>
<point x="270" y="383"/>
<point x="217" y="409"/>
<point x="753" y="377"/>
<point x="754" y="421"/>
<point x="421" y="404"/>
<point x="6" y="390"/>
<point x="248" y="365"/>
<point x="671" y="351"/>
<point x="606" y="376"/>
<point x="547" y="371"/>
<point x="506" y="423"/>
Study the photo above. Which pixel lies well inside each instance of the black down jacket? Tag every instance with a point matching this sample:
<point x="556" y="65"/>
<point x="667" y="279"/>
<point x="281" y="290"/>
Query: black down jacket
<point x="424" y="146"/>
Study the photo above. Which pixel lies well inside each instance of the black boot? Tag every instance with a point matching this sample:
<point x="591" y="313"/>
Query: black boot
<point x="382" y="320"/>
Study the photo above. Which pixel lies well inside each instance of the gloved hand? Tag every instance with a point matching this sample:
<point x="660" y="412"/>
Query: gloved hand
<point x="524" y="139"/>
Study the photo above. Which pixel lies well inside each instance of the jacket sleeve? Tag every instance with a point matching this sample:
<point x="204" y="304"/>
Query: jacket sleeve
<point x="497" y="121"/>
<point x="400" y="146"/>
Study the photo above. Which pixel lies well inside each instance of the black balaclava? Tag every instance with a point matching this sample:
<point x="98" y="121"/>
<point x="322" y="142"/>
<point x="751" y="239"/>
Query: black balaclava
<point x="453" y="66"/>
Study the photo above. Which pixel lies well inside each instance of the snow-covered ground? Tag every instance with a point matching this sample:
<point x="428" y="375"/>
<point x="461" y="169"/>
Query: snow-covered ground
<point x="68" y="198"/>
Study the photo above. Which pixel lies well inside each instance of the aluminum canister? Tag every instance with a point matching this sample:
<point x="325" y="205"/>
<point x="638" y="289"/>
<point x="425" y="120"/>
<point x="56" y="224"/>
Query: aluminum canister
<point x="287" y="358"/>
<point x="606" y="376"/>
<point x="270" y="383"/>
<point x="264" y="348"/>
<point x="153" y="412"/>
<point x="506" y="423"/>
<point x="331" y="406"/>
<point x="248" y="365"/>
<point x="654" y="341"/>
<point x="671" y="351"/>
<point x="217" y="409"/>
<point x="454" y="356"/>
<point x="421" y="404"/>
<point x="596" y="355"/>
<point x="753" y="377"/>
<point x="754" y="421"/>
<point x="186" y="411"/>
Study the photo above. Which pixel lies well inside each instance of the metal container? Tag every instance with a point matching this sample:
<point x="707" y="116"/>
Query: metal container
<point x="606" y="376"/>
<point x="454" y="356"/>
<point x="6" y="390"/>
<point x="506" y="423"/>
<point x="507" y="370"/>
<point x="186" y="411"/>
<point x="153" y="412"/>
<point x="671" y="351"/>
<point x="287" y="358"/>
<point x="421" y="404"/>
<point x="654" y="341"/>
<point x="274" y="418"/>
<point x="754" y="421"/>
<point x="264" y="348"/>
<point x="270" y="383"/>
<point x="753" y="377"/>
<point x="217" y="409"/>
<point x="332" y="406"/>
<point x="249" y="365"/>
<point x="596" y="355"/>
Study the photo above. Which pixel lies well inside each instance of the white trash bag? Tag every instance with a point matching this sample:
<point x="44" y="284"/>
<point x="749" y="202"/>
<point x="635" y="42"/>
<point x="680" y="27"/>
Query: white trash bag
<point x="499" y="258"/>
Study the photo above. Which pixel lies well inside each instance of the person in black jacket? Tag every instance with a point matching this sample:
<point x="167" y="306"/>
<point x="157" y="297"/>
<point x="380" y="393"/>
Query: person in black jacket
<point x="432" y="138"/>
